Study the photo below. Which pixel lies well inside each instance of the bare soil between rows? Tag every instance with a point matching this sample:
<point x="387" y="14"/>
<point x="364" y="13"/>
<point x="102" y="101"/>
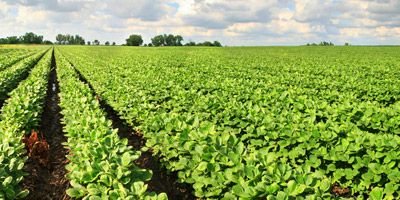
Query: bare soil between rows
<point x="49" y="182"/>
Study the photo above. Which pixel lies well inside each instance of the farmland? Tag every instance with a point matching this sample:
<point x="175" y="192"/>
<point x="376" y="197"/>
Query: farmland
<point x="199" y="122"/>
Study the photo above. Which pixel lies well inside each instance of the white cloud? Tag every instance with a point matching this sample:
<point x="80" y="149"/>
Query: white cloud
<point x="148" y="10"/>
<point x="218" y="14"/>
<point x="235" y="22"/>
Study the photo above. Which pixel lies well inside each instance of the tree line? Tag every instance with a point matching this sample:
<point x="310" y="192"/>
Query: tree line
<point x="70" y="39"/>
<point x="167" y="40"/>
<point x="133" y="40"/>
<point x="97" y="42"/>
<point x="323" y="43"/>
<point x="27" y="38"/>
<point x="78" y="40"/>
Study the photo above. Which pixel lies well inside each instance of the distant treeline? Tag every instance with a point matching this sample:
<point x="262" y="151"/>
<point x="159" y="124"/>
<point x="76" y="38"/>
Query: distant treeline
<point x="28" y="38"/>
<point x="133" y="40"/>
<point x="136" y="40"/>
<point x="166" y="40"/>
<point x="323" y="43"/>
<point x="70" y="39"/>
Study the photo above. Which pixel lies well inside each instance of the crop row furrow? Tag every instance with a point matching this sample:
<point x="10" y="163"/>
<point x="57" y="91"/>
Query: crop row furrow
<point x="10" y="77"/>
<point x="20" y="114"/>
<point x="13" y="59"/>
<point x="101" y="164"/>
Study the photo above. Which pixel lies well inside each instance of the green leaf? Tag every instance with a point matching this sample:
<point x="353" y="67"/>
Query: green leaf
<point x="75" y="193"/>
<point x="325" y="185"/>
<point x="126" y="159"/>
<point x="139" y="188"/>
<point x="291" y="188"/>
<point x="162" y="196"/>
<point x="202" y="166"/>
<point x="114" y="195"/>
<point x="240" y="191"/>
<point x="300" y="189"/>
<point x="7" y="181"/>
<point x="282" y="196"/>
<point x="10" y="193"/>
<point x="93" y="190"/>
<point x="271" y="189"/>
<point x="22" y="194"/>
<point x="390" y="188"/>
<point x="376" y="194"/>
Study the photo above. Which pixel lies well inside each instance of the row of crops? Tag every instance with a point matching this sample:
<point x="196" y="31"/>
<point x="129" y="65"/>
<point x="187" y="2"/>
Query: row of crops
<point x="100" y="164"/>
<point x="9" y="57"/>
<point x="232" y="123"/>
<point x="260" y="122"/>
<point x="19" y="114"/>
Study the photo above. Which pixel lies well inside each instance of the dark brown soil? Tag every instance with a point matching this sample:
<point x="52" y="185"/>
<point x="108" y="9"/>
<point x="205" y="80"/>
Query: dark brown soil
<point x="339" y="191"/>
<point x="161" y="181"/>
<point x="49" y="182"/>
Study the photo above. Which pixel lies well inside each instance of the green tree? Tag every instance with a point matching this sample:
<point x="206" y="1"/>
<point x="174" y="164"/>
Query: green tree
<point x="47" y="42"/>
<point x="206" y="43"/>
<point x="134" y="40"/>
<point x="96" y="42"/>
<point x="3" y="41"/>
<point x="217" y="44"/>
<point x="60" y="38"/>
<point x="324" y="43"/>
<point x="70" y="39"/>
<point x="158" y="40"/>
<point x="167" y="40"/>
<point x="178" y="40"/>
<point x="191" y="43"/>
<point x="31" y="38"/>
<point x="13" y="40"/>
<point x="79" y="40"/>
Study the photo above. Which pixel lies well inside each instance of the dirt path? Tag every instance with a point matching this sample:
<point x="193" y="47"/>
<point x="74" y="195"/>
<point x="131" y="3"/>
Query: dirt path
<point x="49" y="182"/>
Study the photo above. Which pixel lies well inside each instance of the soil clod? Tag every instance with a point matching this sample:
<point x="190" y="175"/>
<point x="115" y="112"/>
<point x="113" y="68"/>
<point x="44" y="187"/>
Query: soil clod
<point x="38" y="149"/>
<point x="339" y="191"/>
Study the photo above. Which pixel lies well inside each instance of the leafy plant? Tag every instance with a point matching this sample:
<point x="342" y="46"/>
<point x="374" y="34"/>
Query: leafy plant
<point x="20" y="114"/>
<point x="275" y="123"/>
<point x="101" y="164"/>
<point x="10" y="77"/>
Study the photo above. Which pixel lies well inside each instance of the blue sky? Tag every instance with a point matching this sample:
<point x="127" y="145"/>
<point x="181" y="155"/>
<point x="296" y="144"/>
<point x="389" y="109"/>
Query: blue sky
<point x="233" y="22"/>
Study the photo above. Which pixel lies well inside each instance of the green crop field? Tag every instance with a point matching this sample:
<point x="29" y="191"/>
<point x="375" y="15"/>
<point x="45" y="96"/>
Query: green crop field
<point x="114" y="122"/>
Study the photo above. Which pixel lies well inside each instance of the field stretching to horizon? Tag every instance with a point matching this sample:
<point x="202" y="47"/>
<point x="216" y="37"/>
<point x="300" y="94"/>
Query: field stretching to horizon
<point x="112" y="122"/>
